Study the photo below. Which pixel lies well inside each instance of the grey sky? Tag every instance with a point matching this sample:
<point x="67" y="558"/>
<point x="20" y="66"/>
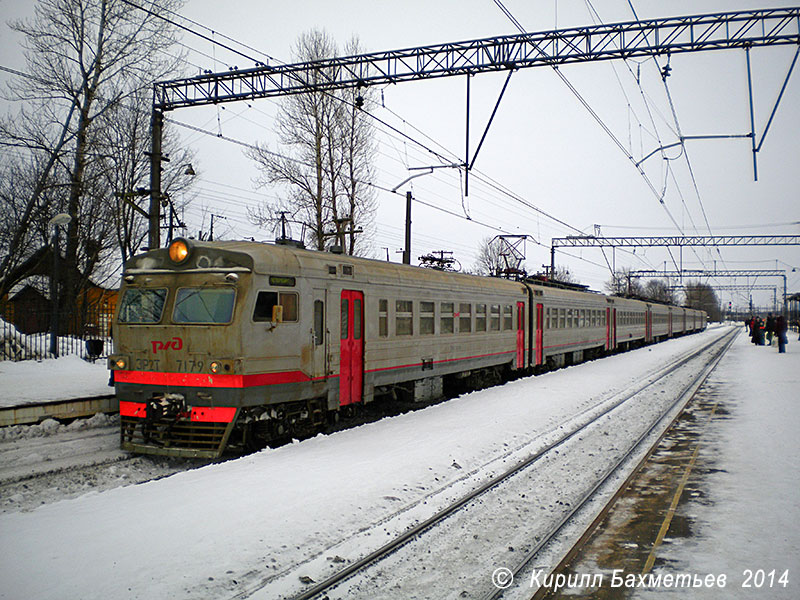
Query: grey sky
<point x="544" y="146"/>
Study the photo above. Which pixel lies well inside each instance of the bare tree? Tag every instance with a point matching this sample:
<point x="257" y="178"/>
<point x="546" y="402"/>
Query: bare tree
<point x="702" y="296"/>
<point x="86" y="59"/>
<point x="658" y="290"/>
<point x="563" y="275"/>
<point x="325" y="167"/>
<point x="490" y="258"/>
<point x="623" y="284"/>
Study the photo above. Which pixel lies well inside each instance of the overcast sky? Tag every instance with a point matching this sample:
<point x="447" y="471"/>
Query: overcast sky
<point x="543" y="146"/>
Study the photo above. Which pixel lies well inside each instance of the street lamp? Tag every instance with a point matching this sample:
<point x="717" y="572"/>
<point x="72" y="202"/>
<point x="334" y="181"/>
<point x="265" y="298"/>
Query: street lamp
<point x="55" y="222"/>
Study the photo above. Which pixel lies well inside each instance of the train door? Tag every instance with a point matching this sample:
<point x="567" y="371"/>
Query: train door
<point x="608" y="329"/>
<point x="351" y="357"/>
<point x="669" y="323"/>
<point x="320" y="336"/>
<point x="614" y="328"/>
<point x="611" y="328"/>
<point x="648" y="325"/>
<point x="520" y="335"/>
<point x="539" y="334"/>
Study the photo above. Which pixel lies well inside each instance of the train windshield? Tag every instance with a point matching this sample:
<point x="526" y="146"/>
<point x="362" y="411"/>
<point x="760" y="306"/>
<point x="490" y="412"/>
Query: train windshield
<point x="142" y="305"/>
<point x="204" y="305"/>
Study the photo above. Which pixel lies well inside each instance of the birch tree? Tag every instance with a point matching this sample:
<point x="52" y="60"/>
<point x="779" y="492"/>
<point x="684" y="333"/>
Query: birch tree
<point x="323" y="165"/>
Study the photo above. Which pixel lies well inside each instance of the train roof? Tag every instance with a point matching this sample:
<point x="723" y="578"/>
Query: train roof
<point x="278" y="259"/>
<point x="284" y="259"/>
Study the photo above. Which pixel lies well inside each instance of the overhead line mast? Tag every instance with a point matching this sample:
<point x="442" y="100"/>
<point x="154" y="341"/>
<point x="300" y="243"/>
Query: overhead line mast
<point x="743" y="29"/>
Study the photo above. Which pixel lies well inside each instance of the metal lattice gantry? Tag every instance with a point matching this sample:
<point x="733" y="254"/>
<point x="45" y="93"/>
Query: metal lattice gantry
<point x="732" y="288"/>
<point x="678" y="241"/>
<point x="710" y="273"/>
<point x="742" y="29"/>
<point x="580" y="241"/>
<point x="701" y="273"/>
<point x="720" y="31"/>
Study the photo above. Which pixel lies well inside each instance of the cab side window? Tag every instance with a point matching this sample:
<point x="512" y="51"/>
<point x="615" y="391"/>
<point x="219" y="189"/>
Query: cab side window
<point x="265" y="301"/>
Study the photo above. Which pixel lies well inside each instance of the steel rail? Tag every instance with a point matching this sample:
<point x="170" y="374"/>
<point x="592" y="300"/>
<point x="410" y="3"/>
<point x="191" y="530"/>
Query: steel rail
<point x="420" y="528"/>
<point x="689" y="390"/>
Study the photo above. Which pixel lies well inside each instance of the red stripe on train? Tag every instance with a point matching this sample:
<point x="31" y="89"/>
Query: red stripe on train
<point x="132" y="409"/>
<point x="208" y="379"/>
<point x="200" y="414"/>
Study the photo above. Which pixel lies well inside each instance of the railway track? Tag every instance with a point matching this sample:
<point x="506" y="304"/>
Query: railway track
<point x="70" y="461"/>
<point x="514" y="516"/>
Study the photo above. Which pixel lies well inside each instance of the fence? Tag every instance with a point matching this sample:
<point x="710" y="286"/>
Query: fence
<point x="27" y="336"/>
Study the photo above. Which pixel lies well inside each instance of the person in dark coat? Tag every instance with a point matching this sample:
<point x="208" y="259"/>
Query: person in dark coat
<point x="770" y="328"/>
<point x="780" y="331"/>
<point x="759" y="327"/>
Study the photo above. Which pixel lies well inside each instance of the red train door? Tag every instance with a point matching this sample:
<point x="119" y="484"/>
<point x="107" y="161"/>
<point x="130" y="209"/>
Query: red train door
<point x="669" y="324"/>
<point x="648" y="326"/>
<point x="608" y="329"/>
<point x="520" y="335"/>
<point x="351" y="357"/>
<point x="539" y="334"/>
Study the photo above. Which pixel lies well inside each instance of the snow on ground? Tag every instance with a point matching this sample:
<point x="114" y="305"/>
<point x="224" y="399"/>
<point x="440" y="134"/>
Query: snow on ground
<point x="749" y="519"/>
<point x="214" y="531"/>
<point x="31" y="381"/>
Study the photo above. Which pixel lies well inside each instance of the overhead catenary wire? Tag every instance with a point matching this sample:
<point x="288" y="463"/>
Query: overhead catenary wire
<point x="428" y="149"/>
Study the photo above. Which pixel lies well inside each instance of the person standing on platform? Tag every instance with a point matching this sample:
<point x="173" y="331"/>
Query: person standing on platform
<point x="780" y="331"/>
<point x="759" y="327"/>
<point x="770" y="328"/>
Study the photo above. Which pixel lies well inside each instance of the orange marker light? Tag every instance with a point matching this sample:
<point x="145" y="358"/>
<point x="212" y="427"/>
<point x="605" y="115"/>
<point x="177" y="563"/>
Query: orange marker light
<point x="178" y="251"/>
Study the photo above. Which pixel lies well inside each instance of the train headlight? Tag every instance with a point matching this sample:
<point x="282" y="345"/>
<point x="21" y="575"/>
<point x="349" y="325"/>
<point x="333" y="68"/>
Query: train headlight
<point x="117" y="363"/>
<point x="179" y="251"/>
<point x="215" y="367"/>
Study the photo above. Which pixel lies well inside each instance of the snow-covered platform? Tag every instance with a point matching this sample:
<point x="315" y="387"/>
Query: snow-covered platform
<point x="66" y="378"/>
<point x="717" y="502"/>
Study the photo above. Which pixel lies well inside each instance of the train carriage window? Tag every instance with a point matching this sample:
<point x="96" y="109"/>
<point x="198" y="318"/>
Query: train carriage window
<point x="426" y="318"/>
<point x="562" y="315"/>
<point x="464" y="318"/>
<point x="383" y="318"/>
<point x="582" y="317"/>
<point x="480" y="317"/>
<point x="547" y="318"/>
<point x="265" y="301"/>
<point x="142" y="305"/>
<point x="508" y="317"/>
<point x="404" y="317"/>
<point x="357" y="320"/>
<point x="569" y="318"/>
<point x="319" y="322"/>
<point x="494" y="320"/>
<point x="345" y="323"/>
<point x="204" y="305"/>
<point x="447" y="317"/>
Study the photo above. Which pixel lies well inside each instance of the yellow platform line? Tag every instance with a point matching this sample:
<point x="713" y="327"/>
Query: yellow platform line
<point x="651" y="558"/>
